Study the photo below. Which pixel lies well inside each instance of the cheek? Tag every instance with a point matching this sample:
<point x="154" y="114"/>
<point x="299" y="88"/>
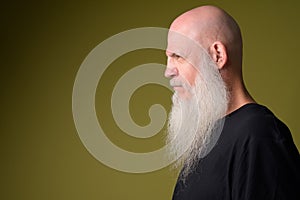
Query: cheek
<point x="189" y="72"/>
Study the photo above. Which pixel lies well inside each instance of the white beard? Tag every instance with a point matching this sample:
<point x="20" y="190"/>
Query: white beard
<point x="195" y="123"/>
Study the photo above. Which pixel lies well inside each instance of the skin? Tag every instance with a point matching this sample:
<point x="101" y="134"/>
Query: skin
<point x="218" y="33"/>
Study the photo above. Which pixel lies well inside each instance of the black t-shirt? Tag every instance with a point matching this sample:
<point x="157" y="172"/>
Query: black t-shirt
<point x="255" y="158"/>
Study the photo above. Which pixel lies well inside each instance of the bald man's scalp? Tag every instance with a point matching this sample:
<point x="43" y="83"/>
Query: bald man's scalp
<point x="209" y="24"/>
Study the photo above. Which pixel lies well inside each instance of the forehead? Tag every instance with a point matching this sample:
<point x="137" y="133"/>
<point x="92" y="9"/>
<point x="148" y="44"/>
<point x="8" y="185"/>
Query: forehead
<point x="184" y="46"/>
<point x="181" y="42"/>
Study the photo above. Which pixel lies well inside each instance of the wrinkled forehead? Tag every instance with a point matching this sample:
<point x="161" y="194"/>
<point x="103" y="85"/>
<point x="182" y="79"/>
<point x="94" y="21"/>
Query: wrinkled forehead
<point x="184" y="46"/>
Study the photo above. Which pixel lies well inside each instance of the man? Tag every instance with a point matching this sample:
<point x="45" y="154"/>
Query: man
<point x="230" y="146"/>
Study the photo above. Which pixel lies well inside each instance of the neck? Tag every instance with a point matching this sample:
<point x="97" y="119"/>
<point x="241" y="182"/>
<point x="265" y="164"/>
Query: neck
<point x="238" y="96"/>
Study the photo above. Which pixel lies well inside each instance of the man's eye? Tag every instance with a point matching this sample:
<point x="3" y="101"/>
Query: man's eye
<point x="176" y="55"/>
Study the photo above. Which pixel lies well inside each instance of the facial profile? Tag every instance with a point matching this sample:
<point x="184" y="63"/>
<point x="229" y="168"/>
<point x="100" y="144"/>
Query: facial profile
<point x="199" y="101"/>
<point x="204" y="64"/>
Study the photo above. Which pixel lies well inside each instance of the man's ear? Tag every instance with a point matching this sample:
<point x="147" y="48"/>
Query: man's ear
<point x="219" y="54"/>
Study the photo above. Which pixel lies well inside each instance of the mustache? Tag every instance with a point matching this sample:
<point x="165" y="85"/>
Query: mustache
<point x="175" y="82"/>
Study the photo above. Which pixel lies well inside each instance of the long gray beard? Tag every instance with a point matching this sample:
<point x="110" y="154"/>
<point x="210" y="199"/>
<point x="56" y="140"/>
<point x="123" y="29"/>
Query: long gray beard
<point x="195" y="123"/>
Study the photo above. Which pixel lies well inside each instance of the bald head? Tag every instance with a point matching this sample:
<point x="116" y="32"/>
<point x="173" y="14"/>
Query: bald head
<point x="210" y="30"/>
<point x="208" y="25"/>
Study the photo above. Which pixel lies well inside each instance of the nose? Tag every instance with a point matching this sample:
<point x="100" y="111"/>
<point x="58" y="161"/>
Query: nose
<point x="171" y="72"/>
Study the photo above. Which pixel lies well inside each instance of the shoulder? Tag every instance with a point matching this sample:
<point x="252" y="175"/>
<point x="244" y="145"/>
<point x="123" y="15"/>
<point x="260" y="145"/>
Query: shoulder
<point x="255" y="131"/>
<point x="265" y="162"/>
<point x="256" y="123"/>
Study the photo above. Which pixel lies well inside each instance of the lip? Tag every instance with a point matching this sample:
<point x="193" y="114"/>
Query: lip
<point x="177" y="87"/>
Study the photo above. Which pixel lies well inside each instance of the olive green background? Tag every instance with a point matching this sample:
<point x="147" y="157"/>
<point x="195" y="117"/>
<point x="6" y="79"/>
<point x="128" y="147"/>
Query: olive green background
<point x="43" y="45"/>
